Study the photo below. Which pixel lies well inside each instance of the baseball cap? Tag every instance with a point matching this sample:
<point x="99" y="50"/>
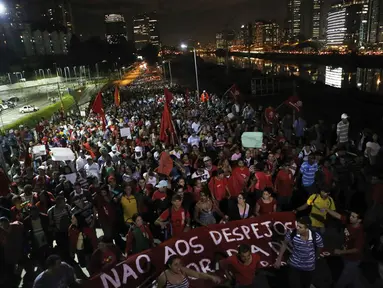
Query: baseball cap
<point x="162" y="184"/>
<point x="206" y="158"/>
<point x="344" y="116"/>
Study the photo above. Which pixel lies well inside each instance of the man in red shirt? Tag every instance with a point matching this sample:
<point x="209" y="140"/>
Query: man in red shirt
<point x="284" y="184"/>
<point x="176" y="218"/>
<point x="352" y="248"/>
<point x="242" y="267"/>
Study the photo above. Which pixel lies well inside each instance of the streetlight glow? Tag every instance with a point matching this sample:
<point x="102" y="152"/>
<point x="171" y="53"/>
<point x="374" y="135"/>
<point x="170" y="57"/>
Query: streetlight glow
<point x="2" y="8"/>
<point x="184" y="46"/>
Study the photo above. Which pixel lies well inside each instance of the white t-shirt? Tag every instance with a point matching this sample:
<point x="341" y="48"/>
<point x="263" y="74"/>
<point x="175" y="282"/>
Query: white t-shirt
<point x="204" y="176"/>
<point x="373" y="147"/>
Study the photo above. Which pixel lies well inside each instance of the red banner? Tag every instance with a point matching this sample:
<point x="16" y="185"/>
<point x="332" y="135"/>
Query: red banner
<point x="199" y="249"/>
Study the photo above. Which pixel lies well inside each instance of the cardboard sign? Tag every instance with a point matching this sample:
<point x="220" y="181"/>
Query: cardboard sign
<point x="39" y="150"/>
<point x="125" y="132"/>
<point x="62" y="154"/>
<point x="82" y="113"/>
<point x="252" y="139"/>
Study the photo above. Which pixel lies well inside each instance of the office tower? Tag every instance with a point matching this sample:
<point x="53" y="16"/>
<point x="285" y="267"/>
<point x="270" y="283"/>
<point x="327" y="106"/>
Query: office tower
<point x="115" y="28"/>
<point x="57" y="14"/>
<point x="347" y="25"/>
<point x="154" y="30"/>
<point x="271" y="34"/>
<point x="294" y="17"/>
<point x="246" y="34"/>
<point x="146" y="30"/>
<point x="259" y="31"/>
<point x="375" y="29"/>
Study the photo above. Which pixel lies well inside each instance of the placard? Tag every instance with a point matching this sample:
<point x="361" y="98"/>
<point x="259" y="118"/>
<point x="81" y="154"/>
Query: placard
<point x="82" y="113"/>
<point x="252" y="139"/>
<point x="39" y="150"/>
<point x="125" y="132"/>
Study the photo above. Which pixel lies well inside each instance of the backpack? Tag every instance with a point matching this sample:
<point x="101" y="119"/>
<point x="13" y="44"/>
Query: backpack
<point x="313" y="233"/>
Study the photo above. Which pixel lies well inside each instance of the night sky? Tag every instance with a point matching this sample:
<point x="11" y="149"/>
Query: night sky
<point x="180" y="19"/>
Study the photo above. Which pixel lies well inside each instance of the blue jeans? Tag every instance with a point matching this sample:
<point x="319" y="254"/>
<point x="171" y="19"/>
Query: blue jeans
<point x="350" y="276"/>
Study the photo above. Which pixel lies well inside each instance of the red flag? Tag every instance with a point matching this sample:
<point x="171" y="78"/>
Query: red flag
<point x="294" y="103"/>
<point x="168" y="96"/>
<point x="187" y="97"/>
<point x="98" y="108"/>
<point x="234" y="92"/>
<point x="165" y="164"/>
<point x="167" y="129"/>
<point x="117" y="98"/>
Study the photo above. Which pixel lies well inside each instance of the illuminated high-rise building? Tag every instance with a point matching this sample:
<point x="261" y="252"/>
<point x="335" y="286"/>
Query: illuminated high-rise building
<point x="348" y="24"/>
<point x="58" y="14"/>
<point x="146" y="30"/>
<point x="375" y="28"/>
<point x="115" y="28"/>
<point x="294" y="17"/>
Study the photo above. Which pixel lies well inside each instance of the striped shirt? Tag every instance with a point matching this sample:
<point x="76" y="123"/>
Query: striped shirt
<point x="303" y="256"/>
<point x="308" y="173"/>
<point x="342" y="131"/>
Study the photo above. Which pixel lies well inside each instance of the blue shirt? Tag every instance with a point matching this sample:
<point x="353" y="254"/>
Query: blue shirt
<point x="303" y="256"/>
<point x="308" y="173"/>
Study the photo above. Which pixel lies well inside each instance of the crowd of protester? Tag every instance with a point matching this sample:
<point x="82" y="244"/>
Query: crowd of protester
<point x="48" y="217"/>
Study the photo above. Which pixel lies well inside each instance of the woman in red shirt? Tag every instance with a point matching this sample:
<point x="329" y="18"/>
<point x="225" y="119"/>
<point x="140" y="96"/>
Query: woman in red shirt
<point x="266" y="204"/>
<point x="239" y="178"/>
<point x="284" y="185"/>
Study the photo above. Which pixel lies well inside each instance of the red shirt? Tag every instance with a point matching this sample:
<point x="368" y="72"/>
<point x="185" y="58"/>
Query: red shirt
<point x="213" y="168"/>
<point x="177" y="221"/>
<point x="196" y="193"/>
<point x="158" y="195"/>
<point x="328" y="177"/>
<point x="353" y="238"/>
<point x="284" y="183"/>
<point x="217" y="188"/>
<point x="263" y="181"/>
<point x="244" y="274"/>
<point x="266" y="208"/>
<point x="240" y="174"/>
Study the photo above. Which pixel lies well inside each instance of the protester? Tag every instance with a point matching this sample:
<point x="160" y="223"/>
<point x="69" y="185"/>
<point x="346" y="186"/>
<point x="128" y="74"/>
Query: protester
<point x="305" y="243"/>
<point x="139" y="237"/>
<point x="177" y="276"/>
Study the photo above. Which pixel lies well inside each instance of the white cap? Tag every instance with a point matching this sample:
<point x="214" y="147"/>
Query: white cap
<point x="162" y="184"/>
<point x="206" y="158"/>
<point x="344" y="116"/>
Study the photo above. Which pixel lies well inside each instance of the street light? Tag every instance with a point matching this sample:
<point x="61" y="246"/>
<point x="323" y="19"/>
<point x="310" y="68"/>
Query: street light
<point x="184" y="46"/>
<point x="3" y="9"/>
<point x="170" y="72"/>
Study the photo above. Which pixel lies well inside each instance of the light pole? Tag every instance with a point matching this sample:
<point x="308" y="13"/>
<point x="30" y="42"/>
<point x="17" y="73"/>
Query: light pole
<point x="184" y="46"/>
<point x="9" y="78"/>
<point x="170" y="72"/>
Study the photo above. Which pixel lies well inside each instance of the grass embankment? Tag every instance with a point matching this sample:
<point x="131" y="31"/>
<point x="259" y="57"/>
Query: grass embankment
<point x="32" y="119"/>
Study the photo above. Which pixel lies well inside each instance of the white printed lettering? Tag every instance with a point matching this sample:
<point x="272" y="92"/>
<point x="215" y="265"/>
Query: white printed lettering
<point x="146" y="263"/>
<point x="277" y="225"/>
<point x="267" y="225"/>
<point x="169" y="252"/>
<point x="186" y="250"/>
<point x="106" y="279"/>
<point x="235" y="233"/>
<point x="226" y="234"/>
<point x="213" y="235"/>
<point x="256" y="249"/>
<point x="196" y="246"/>
<point x="128" y="272"/>
<point x="231" y="252"/>
<point x="246" y="231"/>
<point x="254" y="227"/>
<point x="194" y="267"/>
<point x="205" y="265"/>
<point x="289" y="226"/>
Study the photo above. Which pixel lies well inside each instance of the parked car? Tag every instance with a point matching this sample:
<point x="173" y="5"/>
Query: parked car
<point x="4" y="106"/>
<point x="14" y="100"/>
<point x="9" y="104"/>
<point x="28" y="109"/>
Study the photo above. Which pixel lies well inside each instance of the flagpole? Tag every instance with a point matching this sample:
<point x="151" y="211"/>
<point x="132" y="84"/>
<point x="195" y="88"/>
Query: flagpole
<point x="228" y="90"/>
<point x="280" y="106"/>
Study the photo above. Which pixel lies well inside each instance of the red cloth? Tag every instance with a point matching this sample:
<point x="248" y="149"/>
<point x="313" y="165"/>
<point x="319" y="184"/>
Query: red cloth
<point x="117" y="98"/>
<point x="217" y="188"/>
<point x="196" y="193"/>
<point x="168" y="96"/>
<point x="88" y="233"/>
<point x="294" y="103"/>
<point x="266" y="208"/>
<point x="98" y="108"/>
<point x="328" y="176"/>
<point x="106" y="210"/>
<point x="167" y="129"/>
<point x="284" y="183"/>
<point x="353" y="238"/>
<point x="158" y="195"/>
<point x="244" y="274"/>
<point x="178" y="220"/>
<point x="237" y="180"/>
<point x="165" y="164"/>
